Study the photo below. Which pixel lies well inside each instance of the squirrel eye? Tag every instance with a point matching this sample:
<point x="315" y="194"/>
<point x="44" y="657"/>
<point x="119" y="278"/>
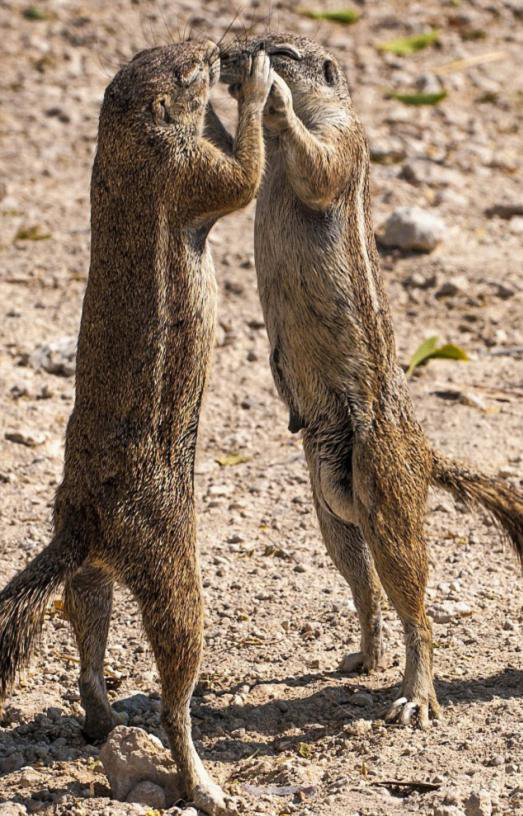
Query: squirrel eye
<point x="330" y="72"/>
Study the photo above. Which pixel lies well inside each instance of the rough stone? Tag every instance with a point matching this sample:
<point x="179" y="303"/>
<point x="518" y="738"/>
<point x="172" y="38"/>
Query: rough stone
<point x="57" y="357"/>
<point x="412" y="228"/>
<point x="29" y="438"/>
<point x="361" y="698"/>
<point x="147" y="793"/>
<point x="505" y="209"/>
<point x="428" y="83"/>
<point x="12" y="809"/>
<point x="448" y="810"/>
<point x="130" y="756"/>
<point x="445" y="612"/>
<point x="425" y="171"/>
<point x="457" y="285"/>
<point x="135" y="703"/>
<point x="387" y="151"/>
<point x="13" y="762"/>
<point x="478" y="804"/>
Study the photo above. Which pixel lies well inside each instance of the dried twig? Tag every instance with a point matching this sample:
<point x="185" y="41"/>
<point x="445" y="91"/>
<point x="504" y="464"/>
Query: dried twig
<point x="405" y="783"/>
<point x="469" y="62"/>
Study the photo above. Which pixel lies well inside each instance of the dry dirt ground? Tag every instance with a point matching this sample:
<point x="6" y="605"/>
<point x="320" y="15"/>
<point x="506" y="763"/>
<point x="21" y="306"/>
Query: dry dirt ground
<point x="271" y="708"/>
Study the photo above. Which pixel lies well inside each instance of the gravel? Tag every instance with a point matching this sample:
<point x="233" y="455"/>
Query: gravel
<point x="271" y="707"/>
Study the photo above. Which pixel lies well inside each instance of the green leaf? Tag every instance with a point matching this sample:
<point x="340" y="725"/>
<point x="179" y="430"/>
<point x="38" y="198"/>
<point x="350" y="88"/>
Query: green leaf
<point x="473" y="34"/>
<point x="420" y="98"/>
<point x="451" y="352"/>
<point x="35" y="13"/>
<point x="232" y="459"/>
<point x="343" y="16"/>
<point x="404" y="46"/>
<point x="429" y="350"/>
<point x="422" y="353"/>
<point x="35" y="233"/>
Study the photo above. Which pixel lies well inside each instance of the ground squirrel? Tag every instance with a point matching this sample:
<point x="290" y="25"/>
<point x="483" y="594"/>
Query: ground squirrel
<point x="125" y="507"/>
<point x="334" y="361"/>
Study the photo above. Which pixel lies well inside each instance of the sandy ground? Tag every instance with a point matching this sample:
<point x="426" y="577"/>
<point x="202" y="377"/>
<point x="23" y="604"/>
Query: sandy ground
<point x="271" y="707"/>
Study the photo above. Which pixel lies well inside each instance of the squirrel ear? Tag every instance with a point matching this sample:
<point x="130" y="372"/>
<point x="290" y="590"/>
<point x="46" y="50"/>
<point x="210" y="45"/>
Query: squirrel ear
<point x="330" y="72"/>
<point x="159" y="108"/>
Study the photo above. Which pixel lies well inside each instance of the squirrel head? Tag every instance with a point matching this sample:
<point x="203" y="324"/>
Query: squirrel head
<point x="163" y="87"/>
<point x="307" y="68"/>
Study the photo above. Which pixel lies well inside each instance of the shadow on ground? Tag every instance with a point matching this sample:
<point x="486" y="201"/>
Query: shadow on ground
<point x="316" y="716"/>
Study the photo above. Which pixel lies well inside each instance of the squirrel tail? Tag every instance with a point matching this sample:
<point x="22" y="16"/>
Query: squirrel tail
<point x="23" y="603"/>
<point x="503" y="503"/>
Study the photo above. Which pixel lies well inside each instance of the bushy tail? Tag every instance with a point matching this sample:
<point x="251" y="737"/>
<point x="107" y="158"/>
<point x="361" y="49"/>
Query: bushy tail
<point x="23" y="603"/>
<point x="503" y="502"/>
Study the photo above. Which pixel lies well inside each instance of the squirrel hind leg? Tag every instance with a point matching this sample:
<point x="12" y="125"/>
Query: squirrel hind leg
<point x="88" y="604"/>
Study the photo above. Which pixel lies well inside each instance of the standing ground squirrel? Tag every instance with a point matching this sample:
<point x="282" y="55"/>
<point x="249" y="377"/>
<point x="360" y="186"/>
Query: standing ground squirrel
<point x="125" y="507"/>
<point x="333" y="358"/>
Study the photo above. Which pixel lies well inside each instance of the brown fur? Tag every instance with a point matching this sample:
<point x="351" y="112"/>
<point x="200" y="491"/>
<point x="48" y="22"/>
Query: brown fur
<point x="125" y="507"/>
<point x="334" y="360"/>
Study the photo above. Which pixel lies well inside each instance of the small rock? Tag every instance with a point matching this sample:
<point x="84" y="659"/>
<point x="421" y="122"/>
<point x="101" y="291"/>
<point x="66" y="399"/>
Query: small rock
<point x="29" y="778"/>
<point x="22" y="388"/>
<point x="13" y="762"/>
<point x="358" y="728"/>
<point x="12" y="809"/>
<point x="147" y="793"/>
<point x="411" y="228"/>
<point x="11" y="714"/>
<point x="505" y="209"/>
<point x="57" y="357"/>
<point x="130" y="756"/>
<point x="425" y="171"/>
<point x="54" y="713"/>
<point x="447" y="810"/>
<point x="389" y="151"/>
<point x="220" y="490"/>
<point x="234" y="287"/>
<point x="451" y="198"/>
<point x="361" y="698"/>
<point x="443" y="613"/>
<point x="419" y="280"/>
<point x="220" y="336"/>
<point x="497" y="760"/>
<point x="428" y="83"/>
<point x="256" y="324"/>
<point x="190" y="811"/>
<point x="453" y="286"/>
<point x="31" y="439"/>
<point x="135" y="703"/>
<point x="504" y="292"/>
<point x="478" y="804"/>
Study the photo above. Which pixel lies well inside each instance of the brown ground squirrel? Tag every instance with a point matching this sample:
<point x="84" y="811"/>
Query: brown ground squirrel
<point x="334" y="361"/>
<point x="125" y="507"/>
